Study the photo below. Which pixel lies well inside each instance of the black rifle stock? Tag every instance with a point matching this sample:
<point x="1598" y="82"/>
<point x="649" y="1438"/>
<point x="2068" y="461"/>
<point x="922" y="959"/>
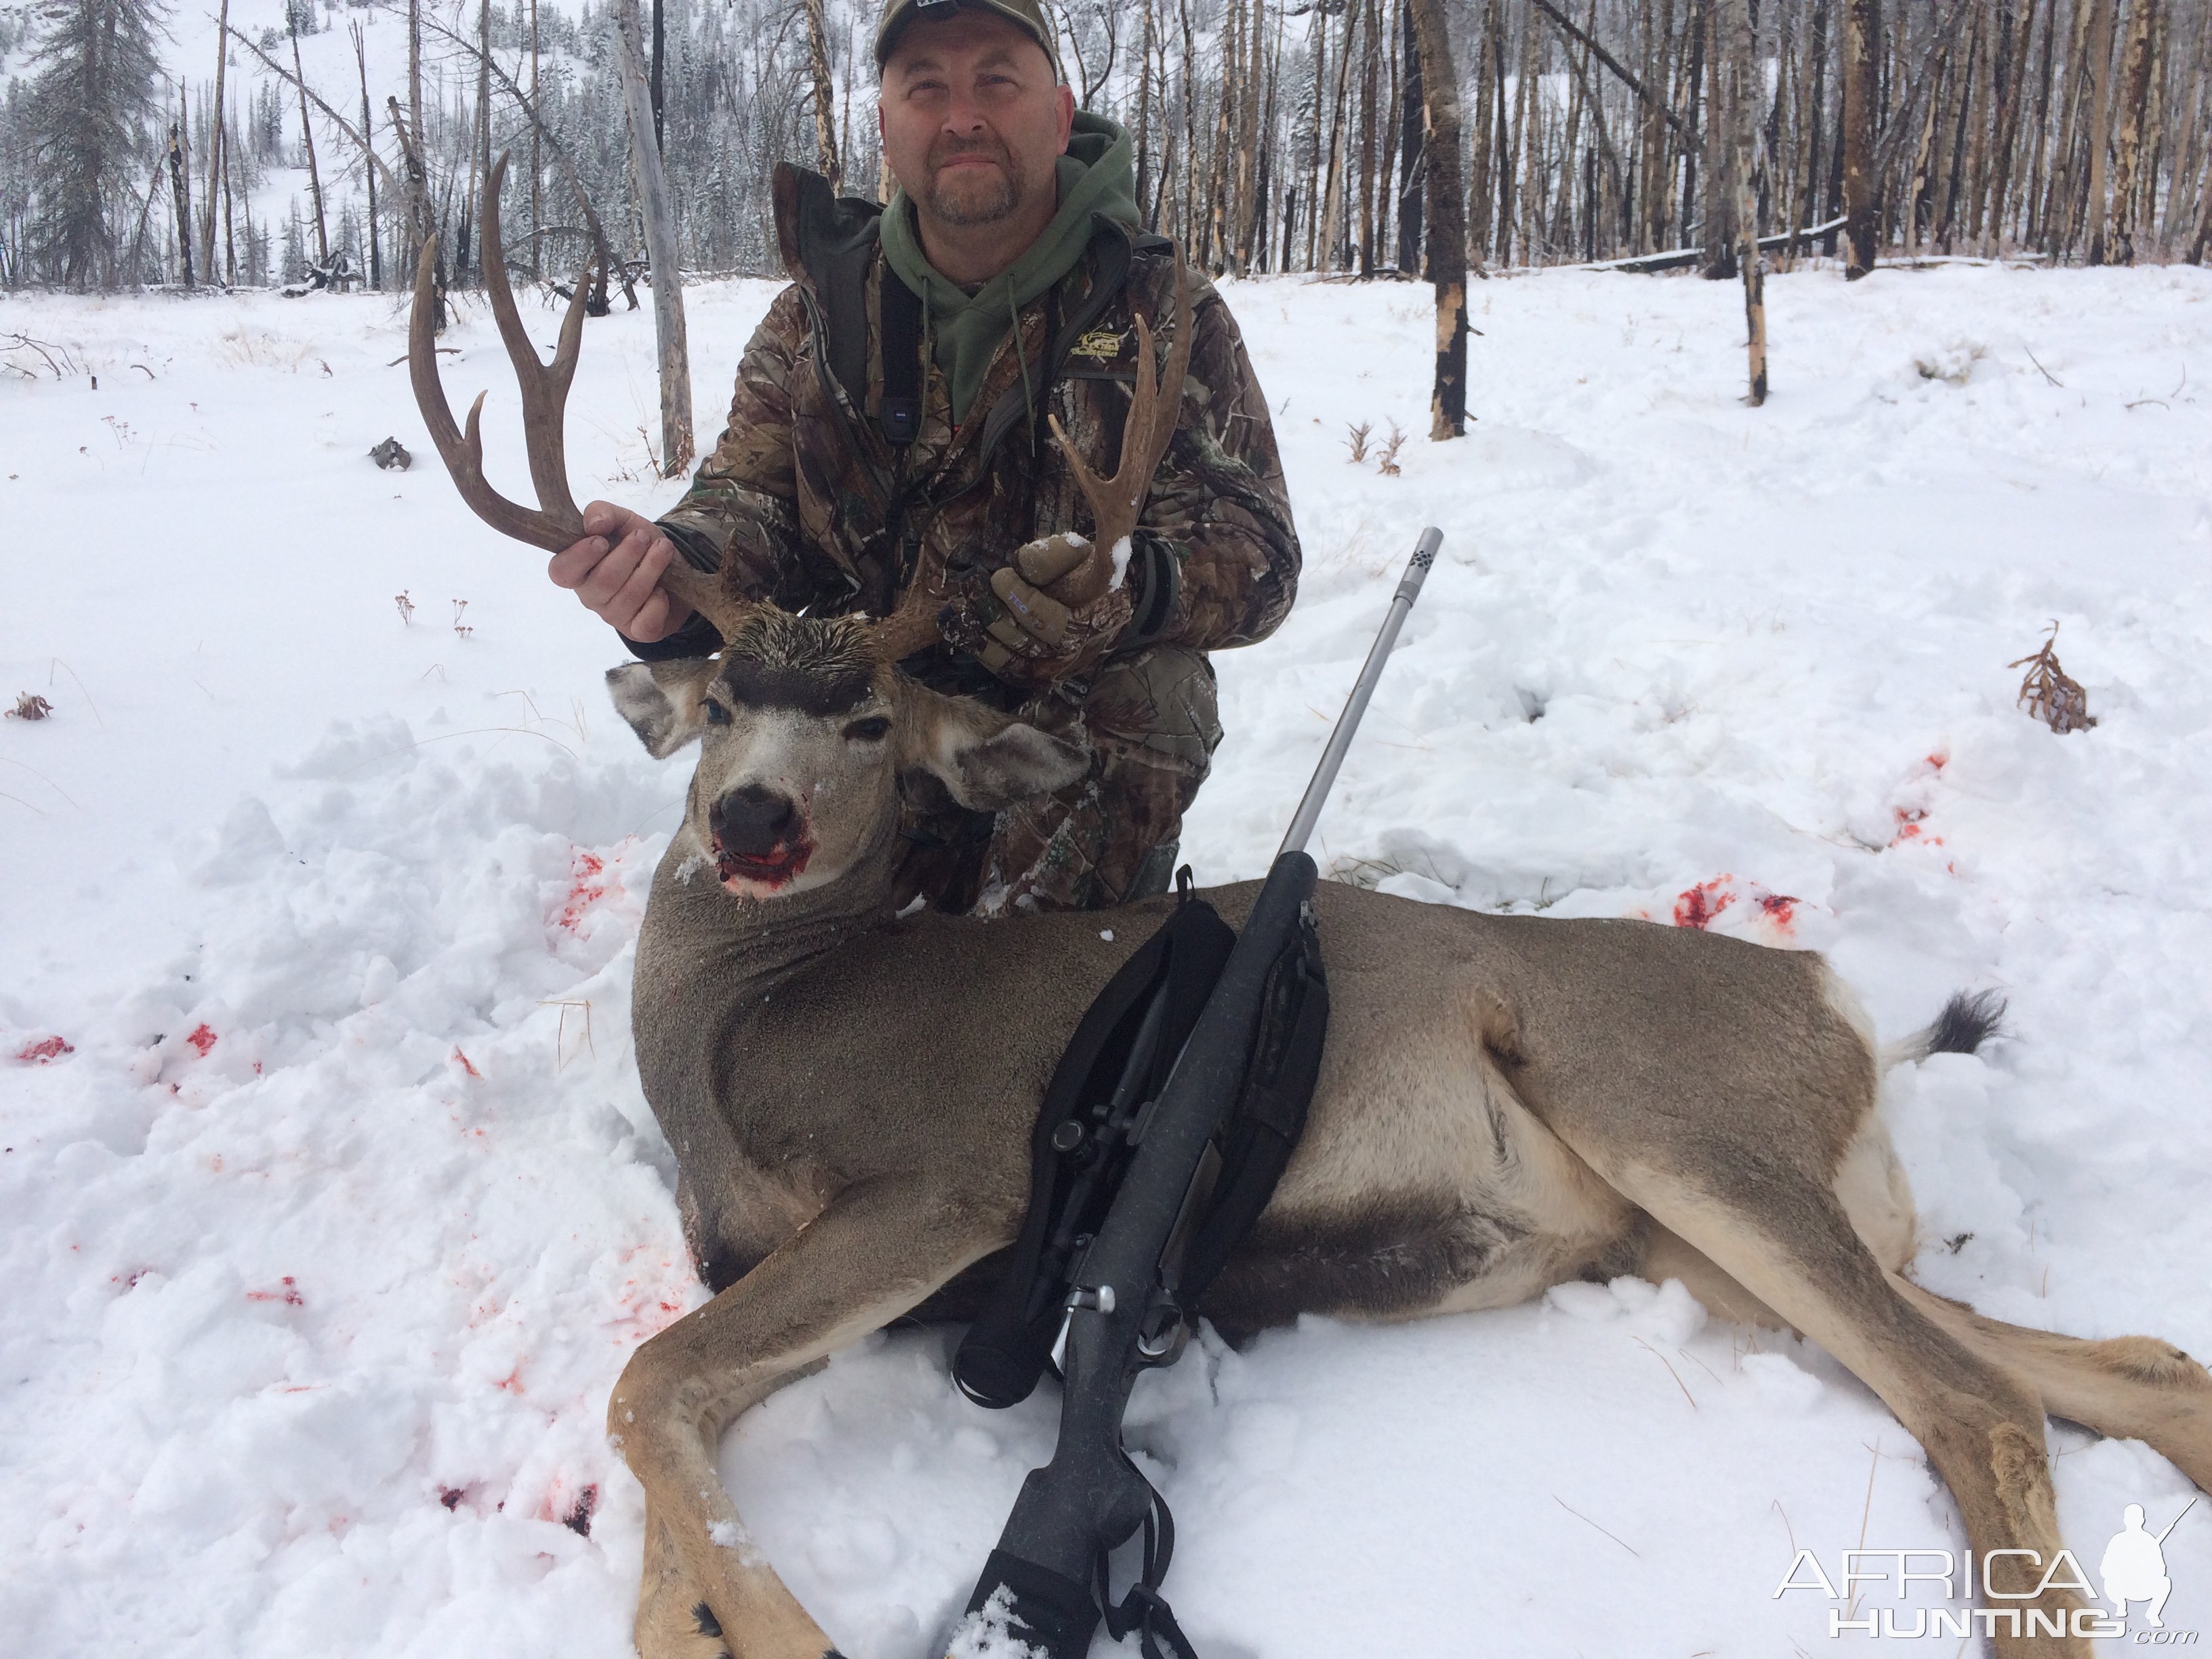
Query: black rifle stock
<point x="1122" y="1315"/>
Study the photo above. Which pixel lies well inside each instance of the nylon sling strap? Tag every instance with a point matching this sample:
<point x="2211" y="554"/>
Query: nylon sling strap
<point x="1006" y="1349"/>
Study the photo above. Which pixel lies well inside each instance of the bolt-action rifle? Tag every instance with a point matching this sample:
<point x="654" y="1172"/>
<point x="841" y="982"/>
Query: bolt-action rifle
<point x="1130" y="1259"/>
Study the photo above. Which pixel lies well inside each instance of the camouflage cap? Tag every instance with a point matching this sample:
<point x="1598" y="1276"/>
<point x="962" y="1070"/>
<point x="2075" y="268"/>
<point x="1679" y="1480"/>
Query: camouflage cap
<point x="1028" y="16"/>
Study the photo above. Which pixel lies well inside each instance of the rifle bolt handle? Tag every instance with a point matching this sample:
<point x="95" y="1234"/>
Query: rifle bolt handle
<point x="1085" y="1297"/>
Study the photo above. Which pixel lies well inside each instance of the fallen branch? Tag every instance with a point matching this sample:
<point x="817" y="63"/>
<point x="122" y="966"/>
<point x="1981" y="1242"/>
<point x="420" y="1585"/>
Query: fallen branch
<point x="1676" y="259"/>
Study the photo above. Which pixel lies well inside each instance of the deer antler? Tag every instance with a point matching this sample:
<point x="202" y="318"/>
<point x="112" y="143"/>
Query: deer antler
<point x="1154" y="405"/>
<point x="912" y="624"/>
<point x="557" y="523"/>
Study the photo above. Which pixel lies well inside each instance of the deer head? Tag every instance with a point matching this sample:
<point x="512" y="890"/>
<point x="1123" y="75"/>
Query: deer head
<point x="805" y="731"/>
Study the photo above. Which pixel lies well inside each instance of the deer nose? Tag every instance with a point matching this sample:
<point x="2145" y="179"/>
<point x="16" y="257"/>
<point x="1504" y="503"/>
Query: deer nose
<point x="753" y="820"/>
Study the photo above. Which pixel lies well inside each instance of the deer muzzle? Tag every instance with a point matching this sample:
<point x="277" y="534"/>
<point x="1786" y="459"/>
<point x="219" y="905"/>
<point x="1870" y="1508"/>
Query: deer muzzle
<point x="759" y="836"/>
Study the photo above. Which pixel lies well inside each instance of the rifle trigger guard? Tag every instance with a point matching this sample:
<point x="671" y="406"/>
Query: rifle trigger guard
<point x="1165" y="1332"/>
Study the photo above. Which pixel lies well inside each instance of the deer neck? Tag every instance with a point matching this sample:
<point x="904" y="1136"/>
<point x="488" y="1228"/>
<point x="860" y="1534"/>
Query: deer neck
<point x="754" y="944"/>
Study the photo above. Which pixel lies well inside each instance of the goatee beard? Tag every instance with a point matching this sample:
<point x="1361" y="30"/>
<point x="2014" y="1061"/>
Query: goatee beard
<point x="965" y="209"/>
<point x="996" y="205"/>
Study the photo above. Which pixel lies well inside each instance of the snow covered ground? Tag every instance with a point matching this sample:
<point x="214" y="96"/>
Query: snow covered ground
<point x="330" y="1207"/>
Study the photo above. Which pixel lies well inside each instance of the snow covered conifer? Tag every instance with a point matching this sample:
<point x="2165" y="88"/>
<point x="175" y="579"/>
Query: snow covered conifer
<point x="92" y="102"/>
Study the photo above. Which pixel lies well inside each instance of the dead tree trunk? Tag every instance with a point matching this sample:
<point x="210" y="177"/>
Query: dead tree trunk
<point x="214" y="160"/>
<point x="1723" y="154"/>
<point x="418" y="197"/>
<point x="1248" y="140"/>
<point x="676" y="446"/>
<point x="825" y="132"/>
<point x="1370" y="64"/>
<point x="1145" y="119"/>
<point x="180" y="189"/>
<point x="1478" y="214"/>
<point x="368" y="170"/>
<point x="314" y="174"/>
<point x="2181" y="200"/>
<point x="1410" y="158"/>
<point x="1743" y="81"/>
<point x="2127" y="147"/>
<point x="230" y="236"/>
<point x="2100" y="122"/>
<point x="1446" y="214"/>
<point x="1861" y="35"/>
<point x="481" y="167"/>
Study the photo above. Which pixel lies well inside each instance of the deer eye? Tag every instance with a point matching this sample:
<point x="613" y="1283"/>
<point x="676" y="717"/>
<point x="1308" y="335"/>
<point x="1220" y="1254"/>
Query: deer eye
<point x="873" y="730"/>
<point x="716" y="714"/>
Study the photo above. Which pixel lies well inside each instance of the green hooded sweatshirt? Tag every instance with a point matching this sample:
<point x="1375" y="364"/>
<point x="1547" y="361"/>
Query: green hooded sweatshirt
<point x="964" y="329"/>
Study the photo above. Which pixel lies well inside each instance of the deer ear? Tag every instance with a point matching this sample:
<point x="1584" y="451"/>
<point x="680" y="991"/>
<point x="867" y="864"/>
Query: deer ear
<point x="663" y="701"/>
<point x="985" y="760"/>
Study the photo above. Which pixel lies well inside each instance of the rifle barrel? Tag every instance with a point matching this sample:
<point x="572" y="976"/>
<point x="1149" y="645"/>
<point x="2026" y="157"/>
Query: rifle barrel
<point x="1331" y="759"/>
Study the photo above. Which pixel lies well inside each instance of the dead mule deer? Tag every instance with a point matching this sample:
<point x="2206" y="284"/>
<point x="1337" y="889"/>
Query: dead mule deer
<point x="1505" y="1102"/>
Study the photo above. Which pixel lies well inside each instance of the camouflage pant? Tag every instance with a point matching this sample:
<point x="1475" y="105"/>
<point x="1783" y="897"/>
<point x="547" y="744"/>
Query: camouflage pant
<point x="1152" y="724"/>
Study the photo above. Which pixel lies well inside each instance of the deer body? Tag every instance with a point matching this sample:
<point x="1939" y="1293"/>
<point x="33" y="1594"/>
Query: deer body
<point x="740" y="1062"/>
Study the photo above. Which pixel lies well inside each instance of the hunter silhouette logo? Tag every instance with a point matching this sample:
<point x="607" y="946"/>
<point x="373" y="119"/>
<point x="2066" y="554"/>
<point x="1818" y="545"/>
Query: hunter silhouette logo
<point x="2134" y="1566"/>
<point x="2132" y="1571"/>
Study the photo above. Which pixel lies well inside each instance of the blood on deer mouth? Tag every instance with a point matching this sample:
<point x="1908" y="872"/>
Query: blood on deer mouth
<point x="772" y="869"/>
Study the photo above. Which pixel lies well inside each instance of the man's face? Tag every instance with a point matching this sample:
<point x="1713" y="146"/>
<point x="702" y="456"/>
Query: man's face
<point x="972" y="118"/>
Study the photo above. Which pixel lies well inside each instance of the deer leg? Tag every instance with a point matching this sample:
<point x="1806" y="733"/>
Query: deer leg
<point x="1784" y="1237"/>
<point x="2130" y="1388"/>
<point x="877" y="1250"/>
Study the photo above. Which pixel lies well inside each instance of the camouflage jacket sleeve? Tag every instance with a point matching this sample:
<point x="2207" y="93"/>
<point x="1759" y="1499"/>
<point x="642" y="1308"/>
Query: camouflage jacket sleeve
<point x="743" y="506"/>
<point x="1219" y="504"/>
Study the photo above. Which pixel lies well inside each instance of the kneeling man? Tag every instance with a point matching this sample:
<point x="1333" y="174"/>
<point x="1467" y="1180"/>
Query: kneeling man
<point x="891" y="411"/>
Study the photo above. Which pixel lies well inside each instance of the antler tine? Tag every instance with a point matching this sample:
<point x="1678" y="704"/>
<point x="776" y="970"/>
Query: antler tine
<point x="545" y="386"/>
<point x="545" y="399"/>
<point x="463" y="451"/>
<point x="1155" y="403"/>
<point x="912" y="624"/>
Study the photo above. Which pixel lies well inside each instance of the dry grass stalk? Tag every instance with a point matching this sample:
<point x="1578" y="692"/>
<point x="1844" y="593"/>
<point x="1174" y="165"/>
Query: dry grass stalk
<point x="405" y="605"/>
<point x="460" y="627"/>
<point x="1356" y="440"/>
<point x="30" y="706"/>
<point x="1386" y="461"/>
<point x="2051" y="695"/>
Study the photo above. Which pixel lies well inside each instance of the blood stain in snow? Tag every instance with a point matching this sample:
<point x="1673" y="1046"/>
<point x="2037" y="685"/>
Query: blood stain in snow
<point x="1909" y="820"/>
<point x="466" y="1065"/>
<point x="1779" y="909"/>
<point x="579" y="1517"/>
<point x="1700" y="907"/>
<point x="584" y="890"/>
<point x="202" y="1038"/>
<point x="451" y="1497"/>
<point x="45" y="1051"/>
<point x="289" y="1296"/>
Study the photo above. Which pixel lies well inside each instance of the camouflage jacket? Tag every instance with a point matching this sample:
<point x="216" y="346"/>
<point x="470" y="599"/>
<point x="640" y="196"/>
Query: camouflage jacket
<point x="798" y="502"/>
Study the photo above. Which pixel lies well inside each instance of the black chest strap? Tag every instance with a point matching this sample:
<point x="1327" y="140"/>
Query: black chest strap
<point x="900" y="322"/>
